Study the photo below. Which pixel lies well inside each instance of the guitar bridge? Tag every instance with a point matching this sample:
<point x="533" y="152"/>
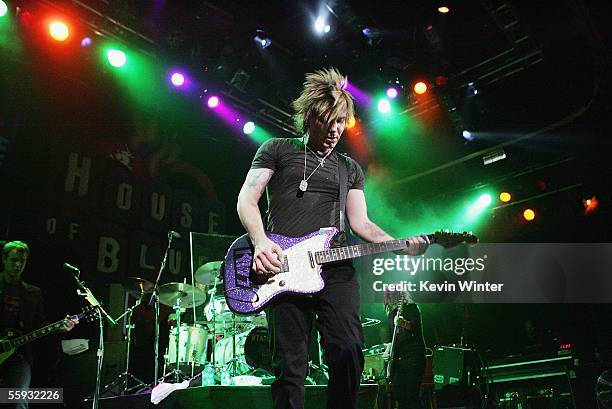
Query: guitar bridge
<point x="311" y="258"/>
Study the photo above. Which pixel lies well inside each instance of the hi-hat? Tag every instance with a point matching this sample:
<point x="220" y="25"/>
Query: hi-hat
<point x="135" y="286"/>
<point x="207" y="273"/>
<point x="187" y="294"/>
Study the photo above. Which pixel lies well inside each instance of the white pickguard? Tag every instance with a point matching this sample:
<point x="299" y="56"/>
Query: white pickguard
<point x="301" y="277"/>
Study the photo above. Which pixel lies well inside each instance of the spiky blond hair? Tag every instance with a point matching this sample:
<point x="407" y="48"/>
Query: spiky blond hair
<point x="324" y="97"/>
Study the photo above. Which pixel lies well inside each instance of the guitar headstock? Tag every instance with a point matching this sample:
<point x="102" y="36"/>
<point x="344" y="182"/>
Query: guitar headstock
<point x="449" y="239"/>
<point x="88" y="314"/>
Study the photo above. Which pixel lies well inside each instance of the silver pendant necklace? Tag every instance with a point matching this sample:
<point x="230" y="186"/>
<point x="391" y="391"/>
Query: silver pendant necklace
<point x="304" y="182"/>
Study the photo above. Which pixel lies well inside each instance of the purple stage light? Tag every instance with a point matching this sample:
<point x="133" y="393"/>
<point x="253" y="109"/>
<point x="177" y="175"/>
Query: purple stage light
<point x="361" y="98"/>
<point x="177" y="79"/>
<point x="86" y="42"/>
<point x="213" y="102"/>
<point x="392" y="92"/>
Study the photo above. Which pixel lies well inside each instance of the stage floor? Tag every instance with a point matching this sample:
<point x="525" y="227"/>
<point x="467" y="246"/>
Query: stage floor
<point x="227" y="397"/>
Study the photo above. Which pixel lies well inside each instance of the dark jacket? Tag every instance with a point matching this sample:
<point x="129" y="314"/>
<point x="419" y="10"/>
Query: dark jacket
<point x="31" y="312"/>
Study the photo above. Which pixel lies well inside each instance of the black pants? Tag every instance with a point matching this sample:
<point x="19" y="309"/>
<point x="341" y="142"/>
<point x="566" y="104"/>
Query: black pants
<point x="338" y="321"/>
<point x="406" y="380"/>
<point x="15" y="373"/>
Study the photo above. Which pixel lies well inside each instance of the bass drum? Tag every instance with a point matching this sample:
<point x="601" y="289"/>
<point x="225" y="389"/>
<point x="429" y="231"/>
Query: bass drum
<point x="252" y="351"/>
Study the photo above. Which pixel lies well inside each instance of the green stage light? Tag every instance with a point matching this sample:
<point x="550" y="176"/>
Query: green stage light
<point x="116" y="58"/>
<point x="3" y="9"/>
<point x="383" y="106"/>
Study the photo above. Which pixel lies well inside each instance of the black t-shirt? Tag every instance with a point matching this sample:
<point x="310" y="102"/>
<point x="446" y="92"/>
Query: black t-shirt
<point x="10" y="306"/>
<point x="288" y="213"/>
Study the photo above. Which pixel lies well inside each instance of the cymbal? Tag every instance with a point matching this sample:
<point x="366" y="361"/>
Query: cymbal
<point x="136" y="285"/>
<point x="207" y="272"/>
<point x="188" y="294"/>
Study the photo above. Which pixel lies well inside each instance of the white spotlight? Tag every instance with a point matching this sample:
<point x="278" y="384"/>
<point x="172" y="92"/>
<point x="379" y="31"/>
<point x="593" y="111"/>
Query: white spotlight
<point x="261" y="39"/>
<point x="321" y="25"/>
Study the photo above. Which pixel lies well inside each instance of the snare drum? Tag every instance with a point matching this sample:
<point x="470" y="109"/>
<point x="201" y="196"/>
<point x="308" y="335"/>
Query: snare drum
<point x="252" y="350"/>
<point x="192" y="345"/>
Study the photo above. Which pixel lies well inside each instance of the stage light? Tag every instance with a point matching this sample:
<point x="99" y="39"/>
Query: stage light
<point x="3" y="9"/>
<point x="529" y="215"/>
<point x="261" y="39"/>
<point x="177" y="79"/>
<point x="484" y="200"/>
<point x="590" y="205"/>
<point x="467" y="135"/>
<point x="116" y="58"/>
<point x="384" y="106"/>
<point x="505" y="197"/>
<point x="86" y="42"/>
<point x="471" y="89"/>
<point x="420" y="88"/>
<point x="213" y="102"/>
<point x="248" y="128"/>
<point x="441" y="80"/>
<point x="392" y="92"/>
<point x="443" y="9"/>
<point x="59" y="31"/>
<point x="351" y="122"/>
<point x="477" y="207"/>
<point x="321" y="25"/>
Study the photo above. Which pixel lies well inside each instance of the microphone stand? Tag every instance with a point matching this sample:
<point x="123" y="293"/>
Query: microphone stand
<point x="155" y="299"/>
<point x="88" y="295"/>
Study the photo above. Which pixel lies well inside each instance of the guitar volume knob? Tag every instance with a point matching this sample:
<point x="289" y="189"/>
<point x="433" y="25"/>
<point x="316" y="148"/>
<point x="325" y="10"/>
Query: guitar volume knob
<point x="281" y="283"/>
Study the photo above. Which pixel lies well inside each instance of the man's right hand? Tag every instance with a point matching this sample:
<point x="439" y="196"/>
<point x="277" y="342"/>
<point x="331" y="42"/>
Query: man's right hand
<point x="267" y="257"/>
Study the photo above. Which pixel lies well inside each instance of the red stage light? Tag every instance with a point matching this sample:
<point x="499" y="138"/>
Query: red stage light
<point x="529" y="215"/>
<point x="590" y="205"/>
<point x="420" y="88"/>
<point x="59" y="31"/>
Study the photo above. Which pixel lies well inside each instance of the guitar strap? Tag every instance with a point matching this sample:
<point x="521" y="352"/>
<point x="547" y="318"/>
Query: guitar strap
<point x="343" y="176"/>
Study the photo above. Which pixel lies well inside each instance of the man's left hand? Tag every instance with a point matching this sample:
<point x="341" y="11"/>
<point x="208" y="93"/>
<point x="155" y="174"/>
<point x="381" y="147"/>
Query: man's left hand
<point x="417" y="245"/>
<point x="68" y="324"/>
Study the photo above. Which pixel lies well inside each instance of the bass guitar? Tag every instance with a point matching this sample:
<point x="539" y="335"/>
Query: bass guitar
<point x="247" y="292"/>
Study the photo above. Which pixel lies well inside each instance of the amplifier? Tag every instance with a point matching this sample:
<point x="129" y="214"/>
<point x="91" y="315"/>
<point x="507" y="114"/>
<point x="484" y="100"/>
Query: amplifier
<point x="454" y="365"/>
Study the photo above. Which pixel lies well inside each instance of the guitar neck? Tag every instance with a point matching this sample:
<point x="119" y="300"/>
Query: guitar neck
<point x="41" y="332"/>
<point x="359" y="250"/>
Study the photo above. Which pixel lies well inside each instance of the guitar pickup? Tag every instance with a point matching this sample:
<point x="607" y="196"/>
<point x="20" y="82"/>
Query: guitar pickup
<point x="311" y="258"/>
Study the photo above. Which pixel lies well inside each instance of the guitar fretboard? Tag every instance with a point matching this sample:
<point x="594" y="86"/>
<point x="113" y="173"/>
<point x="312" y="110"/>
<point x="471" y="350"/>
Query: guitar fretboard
<point x="358" y="250"/>
<point x="17" y="342"/>
<point x="41" y="332"/>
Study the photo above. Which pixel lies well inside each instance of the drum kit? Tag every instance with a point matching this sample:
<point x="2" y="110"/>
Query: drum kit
<point x="216" y="336"/>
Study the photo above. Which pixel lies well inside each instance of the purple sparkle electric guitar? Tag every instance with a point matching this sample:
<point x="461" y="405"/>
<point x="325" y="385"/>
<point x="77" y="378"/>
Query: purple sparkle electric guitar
<point x="247" y="292"/>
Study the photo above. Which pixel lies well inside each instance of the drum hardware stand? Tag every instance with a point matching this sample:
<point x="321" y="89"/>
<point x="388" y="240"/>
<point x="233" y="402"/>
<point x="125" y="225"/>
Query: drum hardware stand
<point x="124" y="377"/>
<point x="232" y="364"/>
<point x="155" y="300"/>
<point x="177" y="311"/>
<point x="178" y="374"/>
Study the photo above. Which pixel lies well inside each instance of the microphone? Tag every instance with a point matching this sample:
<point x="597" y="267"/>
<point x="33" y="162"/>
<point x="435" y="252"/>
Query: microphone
<point x="71" y="268"/>
<point x="174" y="234"/>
